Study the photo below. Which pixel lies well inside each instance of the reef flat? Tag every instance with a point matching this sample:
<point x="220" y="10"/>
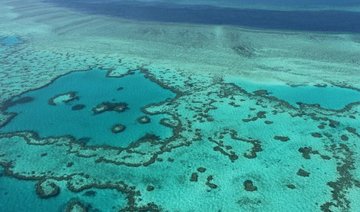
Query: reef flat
<point x="223" y="131"/>
<point x="105" y="114"/>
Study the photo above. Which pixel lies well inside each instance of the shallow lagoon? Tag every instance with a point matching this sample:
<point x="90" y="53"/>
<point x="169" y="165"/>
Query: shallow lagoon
<point x="328" y="97"/>
<point x="14" y="191"/>
<point x="92" y="88"/>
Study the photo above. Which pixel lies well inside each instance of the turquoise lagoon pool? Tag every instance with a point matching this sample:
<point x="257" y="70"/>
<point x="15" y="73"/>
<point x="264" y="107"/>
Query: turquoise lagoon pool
<point x="17" y="195"/>
<point x="327" y="96"/>
<point x="76" y="116"/>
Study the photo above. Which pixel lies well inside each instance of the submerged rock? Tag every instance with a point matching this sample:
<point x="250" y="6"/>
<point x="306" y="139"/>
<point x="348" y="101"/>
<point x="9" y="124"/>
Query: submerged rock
<point x="63" y="98"/>
<point x="90" y="193"/>
<point x="118" y="128"/>
<point x="110" y="106"/>
<point x="291" y="186"/>
<point x="209" y="183"/>
<point x="150" y="188"/>
<point x="249" y="186"/>
<point x="281" y="138"/>
<point x="194" y="177"/>
<point x="303" y="173"/>
<point x="201" y="169"/>
<point x="75" y="206"/>
<point x="344" y="138"/>
<point x="47" y="188"/>
<point x="78" y="107"/>
<point x="144" y="120"/>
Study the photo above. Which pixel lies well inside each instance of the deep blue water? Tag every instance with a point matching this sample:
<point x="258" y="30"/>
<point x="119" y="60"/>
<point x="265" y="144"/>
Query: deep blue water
<point x="305" y="20"/>
<point x="265" y="3"/>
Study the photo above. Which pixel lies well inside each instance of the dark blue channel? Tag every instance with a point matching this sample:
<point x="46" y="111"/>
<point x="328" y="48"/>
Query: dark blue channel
<point x="305" y="20"/>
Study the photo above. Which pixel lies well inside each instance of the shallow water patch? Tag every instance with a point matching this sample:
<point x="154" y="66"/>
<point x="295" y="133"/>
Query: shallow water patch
<point x="9" y="41"/>
<point x="66" y="107"/>
<point x="329" y="97"/>
<point x="14" y="191"/>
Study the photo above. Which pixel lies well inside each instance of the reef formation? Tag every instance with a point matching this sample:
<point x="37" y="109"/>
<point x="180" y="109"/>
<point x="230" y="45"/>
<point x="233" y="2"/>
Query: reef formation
<point x="157" y="135"/>
<point x="224" y="141"/>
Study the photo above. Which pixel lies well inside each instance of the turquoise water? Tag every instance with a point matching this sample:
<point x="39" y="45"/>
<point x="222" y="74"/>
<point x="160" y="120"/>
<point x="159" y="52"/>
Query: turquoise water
<point x="329" y="97"/>
<point x="17" y="195"/>
<point x="219" y="148"/>
<point x="10" y="41"/>
<point x="92" y="88"/>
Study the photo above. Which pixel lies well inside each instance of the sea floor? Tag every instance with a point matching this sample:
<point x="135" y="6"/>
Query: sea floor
<point x="131" y="119"/>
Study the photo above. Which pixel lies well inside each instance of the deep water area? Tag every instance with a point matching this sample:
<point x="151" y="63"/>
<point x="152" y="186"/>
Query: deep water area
<point x="302" y="20"/>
